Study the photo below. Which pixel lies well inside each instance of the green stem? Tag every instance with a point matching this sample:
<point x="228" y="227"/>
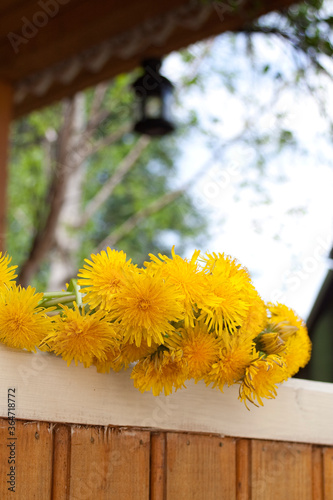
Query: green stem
<point x="52" y="295"/>
<point x="78" y="294"/>
<point x="61" y="300"/>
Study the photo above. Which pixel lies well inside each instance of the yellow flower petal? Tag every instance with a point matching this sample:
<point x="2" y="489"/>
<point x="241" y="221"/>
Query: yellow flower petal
<point x="163" y="371"/>
<point x="145" y="307"/>
<point x="7" y="273"/>
<point x="23" y="323"/>
<point x="102" y="277"/>
<point x="81" y="337"/>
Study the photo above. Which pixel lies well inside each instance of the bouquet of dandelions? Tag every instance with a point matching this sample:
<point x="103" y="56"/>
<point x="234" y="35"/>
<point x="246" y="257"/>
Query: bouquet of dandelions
<point x="173" y="320"/>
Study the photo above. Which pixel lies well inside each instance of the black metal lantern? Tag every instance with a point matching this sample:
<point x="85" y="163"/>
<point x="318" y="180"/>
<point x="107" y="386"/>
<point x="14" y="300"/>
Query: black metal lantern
<point x="154" y="94"/>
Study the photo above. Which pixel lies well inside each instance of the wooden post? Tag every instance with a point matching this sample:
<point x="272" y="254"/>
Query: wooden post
<point x="6" y="101"/>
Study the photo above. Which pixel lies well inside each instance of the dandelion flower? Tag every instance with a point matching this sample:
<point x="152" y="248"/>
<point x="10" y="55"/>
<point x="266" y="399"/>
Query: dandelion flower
<point x="102" y="277"/>
<point x="261" y="379"/>
<point x="230" y="285"/>
<point x="163" y="371"/>
<point x="294" y="332"/>
<point x="23" y="323"/>
<point x="256" y="317"/>
<point x="280" y="312"/>
<point x="235" y="354"/>
<point x="200" y="349"/>
<point x="272" y="340"/>
<point x="297" y="352"/>
<point x="187" y="277"/>
<point x="7" y="273"/>
<point x="145" y="306"/>
<point x="122" y="355"/>
<point x="81" y="337"/>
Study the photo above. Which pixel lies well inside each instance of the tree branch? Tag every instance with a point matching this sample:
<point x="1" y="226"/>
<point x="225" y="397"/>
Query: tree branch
<point x="133" y="221"/>
<point x="106" y="191"/>
<point x="97" y="102"/>
<point x="44" y="236"/>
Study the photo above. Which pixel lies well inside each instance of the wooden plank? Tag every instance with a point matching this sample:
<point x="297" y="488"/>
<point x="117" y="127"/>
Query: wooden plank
<point x="328" y="473"/>
<point x="77" y="26"/>
<point x="109" y="464"/>
<point x="243" y="469"/>
<point x="157" y="466"/>
<point x="33" y="460"/>
<point x="302" y="411"/>
<point x="58" y="41"/>
<point x="200" y="466"/>
<point x="61" y="462"/>
<point x="317" y="473"/>
<point x="281" y="470"/>
<point x="6" y="101"/>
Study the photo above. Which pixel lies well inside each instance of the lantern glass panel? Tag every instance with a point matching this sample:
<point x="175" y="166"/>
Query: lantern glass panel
<point x="154" y="107"/>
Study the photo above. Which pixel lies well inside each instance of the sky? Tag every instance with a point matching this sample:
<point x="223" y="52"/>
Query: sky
<point x="284" y="232"/>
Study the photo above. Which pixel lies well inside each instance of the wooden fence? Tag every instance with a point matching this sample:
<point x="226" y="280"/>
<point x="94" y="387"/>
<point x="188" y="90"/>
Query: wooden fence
<point x="80" y="435"/>
<point x="60" y="462"/>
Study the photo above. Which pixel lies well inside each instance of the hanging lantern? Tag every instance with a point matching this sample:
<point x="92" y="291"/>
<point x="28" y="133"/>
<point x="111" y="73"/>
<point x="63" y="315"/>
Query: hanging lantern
<point x="154" y="93"/>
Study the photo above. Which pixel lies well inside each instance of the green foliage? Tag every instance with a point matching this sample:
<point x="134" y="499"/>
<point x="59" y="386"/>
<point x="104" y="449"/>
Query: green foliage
<point x="32" y="170"/>
<point x="232" y="64"/>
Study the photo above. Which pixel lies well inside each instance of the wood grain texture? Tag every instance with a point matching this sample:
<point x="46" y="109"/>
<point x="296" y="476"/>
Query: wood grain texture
<point x="281" y="470"/>
<point x="328" y="473"/>
<point x="61" y="462"/>
<point x="317" y="473"/>
<point x="157" y="466"/>
<point x="200" y="467"/>
<point x="302" y="411"/>
<point x="32" y="41"/>
<point x="243" y="469"/>
<point x="109" y="464"/>
<point x="33" y="460"/>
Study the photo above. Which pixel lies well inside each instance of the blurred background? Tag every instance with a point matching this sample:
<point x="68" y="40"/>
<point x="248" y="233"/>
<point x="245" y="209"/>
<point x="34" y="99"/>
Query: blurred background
<point x="245" y="167"/>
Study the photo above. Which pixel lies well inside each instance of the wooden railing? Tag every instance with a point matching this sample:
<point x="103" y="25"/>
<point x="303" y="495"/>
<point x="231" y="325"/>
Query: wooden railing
<point x="60" y="461"/>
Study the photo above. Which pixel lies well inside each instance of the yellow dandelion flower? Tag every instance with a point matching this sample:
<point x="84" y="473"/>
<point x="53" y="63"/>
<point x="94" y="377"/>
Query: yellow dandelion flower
<point x="270" y="343"/>
<point x="108" y="363"/>
<point x="187" y="277"/>
<point x="230" y="285"/>
<point x="163" y="371"/>
<point x="261" y="379"/>
<point x="23" y="323"/>
<point x="7" y="273"/>
<point x="256" y="318"/>
<point x="272" y="340"/>
<point x="123" y="355"/>
<point x="281" y="313"/>
<point x="81" y="337"/>
<point x="200" y="349"/>
<point x="235" y="354"/>
<point x="102" y="277"/>
<point x="221" y="264"/>
<point x="145" y="306"/>
<point x="294" y="332"/>
<point x="297" y="352"/>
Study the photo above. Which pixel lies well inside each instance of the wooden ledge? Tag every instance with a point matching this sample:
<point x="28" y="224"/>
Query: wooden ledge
<point x="47" y="390"/>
